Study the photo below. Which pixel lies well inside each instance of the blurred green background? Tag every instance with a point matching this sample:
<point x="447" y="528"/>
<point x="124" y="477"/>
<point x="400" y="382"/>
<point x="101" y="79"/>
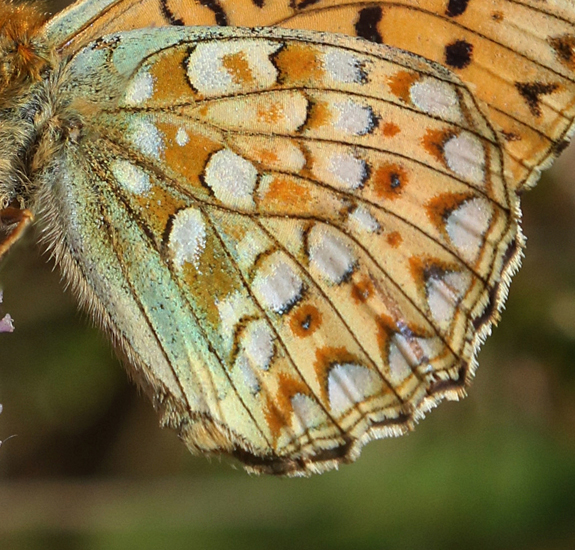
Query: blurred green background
<point x="90" y="469"/>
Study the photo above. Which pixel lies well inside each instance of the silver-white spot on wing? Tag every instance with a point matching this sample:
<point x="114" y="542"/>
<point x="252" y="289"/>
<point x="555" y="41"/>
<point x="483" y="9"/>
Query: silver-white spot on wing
<point x="232" y="179"/>
<point x="349" y="384"/>
<point x="187" y="239"/>
<point x="132" y="178"/>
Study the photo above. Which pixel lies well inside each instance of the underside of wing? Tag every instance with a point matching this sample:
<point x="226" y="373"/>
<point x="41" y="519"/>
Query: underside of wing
<point x="517" y="57"/>
<point x="298" y="240"/>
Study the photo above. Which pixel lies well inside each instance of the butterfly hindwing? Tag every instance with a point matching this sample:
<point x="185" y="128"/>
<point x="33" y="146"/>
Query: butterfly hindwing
<point x="248" y="199"/>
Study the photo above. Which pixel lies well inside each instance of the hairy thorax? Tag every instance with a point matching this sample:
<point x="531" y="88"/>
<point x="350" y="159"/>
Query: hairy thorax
<point x="30" y="121"/>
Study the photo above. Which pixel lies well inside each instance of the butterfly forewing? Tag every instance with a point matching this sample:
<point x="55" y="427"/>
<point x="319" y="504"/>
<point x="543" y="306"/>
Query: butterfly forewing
<point x="297" y="240"/>
<point x="518" y="57"/>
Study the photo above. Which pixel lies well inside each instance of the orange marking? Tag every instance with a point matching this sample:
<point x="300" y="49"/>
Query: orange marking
<point x="422" y="266"/>
<point x="362" y="291"/>
<point x="156" y="207"/>
<point x="208" y="286"/>
<point x="400" y="84"/>
<point x="439" y="208"/>
<point x="394" y="239"/>
<point x="286" y="191"/>
<point x="325" y="359"/>
<point x="168" y="69"/>
<point x="386" y="328"/>
<point x="239" y="68"/>
<point x="188" y="160"/>
<point x="320" y="115"/>
<point x="390" y="129"/>
<point x="434" y="140"/>
<point x="299" y="63"/>
<point x="270" y="113"/>
<point x="212" y="283"/>
<point x="275" y="418"/>
<point x="267" y="156"/>
<point x="278" y="411"/>
<point x="389" y="180"/>
<point x="305" y="320"/>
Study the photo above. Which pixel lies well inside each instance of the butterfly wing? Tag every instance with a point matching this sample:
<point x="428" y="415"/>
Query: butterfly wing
<point x="518" y="58"/>
<point x="292" y="260"/>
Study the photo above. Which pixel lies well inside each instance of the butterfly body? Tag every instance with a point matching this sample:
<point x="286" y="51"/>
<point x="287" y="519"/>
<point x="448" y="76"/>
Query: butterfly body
<point x="296" y="240"/>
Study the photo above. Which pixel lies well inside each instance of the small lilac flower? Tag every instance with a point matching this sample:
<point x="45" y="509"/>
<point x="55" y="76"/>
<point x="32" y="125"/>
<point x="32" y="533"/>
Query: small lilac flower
<point x="6" y="324"/>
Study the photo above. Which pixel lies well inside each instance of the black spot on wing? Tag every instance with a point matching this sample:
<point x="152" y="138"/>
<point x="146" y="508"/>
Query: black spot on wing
<point x="564" y="47"/>
<point x="532" y="92"/>
<point x="164" y="245"/>
<point x="560" y="146"/>
<point x="219" y="13"/>
<point x="372" y="123"/>
<point x="456" y="7"/>
<point x="458" y="54"/>
<point x="490" y="310"/>
<point x="510" y="136"/>
<point x="453" y="384"/>
<point x="258" y="3"/>
<point x="366" y="24"/>
<point x="169" y="15"/>
<point x="305" y="3"/>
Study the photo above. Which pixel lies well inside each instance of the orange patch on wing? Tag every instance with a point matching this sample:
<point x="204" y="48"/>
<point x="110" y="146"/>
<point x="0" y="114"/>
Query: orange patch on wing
<point x="188" y="160"/>
<point x="394" y="239"/>
<point x="270" y="114"/>
<point x="400" y="84"/>
<point x="386" y="328"/>
<point x="278" y="412"/>
<point x="156" y="208"/>
<point x="305" y="320"/>
<point x="388" y="181"/>
<point x="299" y="63"/>
<point x="239" y="69"/>
<point x="389" y="129"/>
<point x="266" y="156"/>
<point x="434" y="140"/>
<point x="325" y="359"/>
<point x="441" y="206"/>
<point x="169" y="70"/>
<point x="362" y="291"/>
<point x="287" y="191"/>
<point x="211" y="283"/>
<point x="422" y="266"/>
<point x="320" y="115"/>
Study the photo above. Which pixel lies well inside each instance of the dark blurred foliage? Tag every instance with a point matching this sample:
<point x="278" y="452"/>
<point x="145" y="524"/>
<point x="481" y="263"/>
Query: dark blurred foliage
<point x="90" y="469"/>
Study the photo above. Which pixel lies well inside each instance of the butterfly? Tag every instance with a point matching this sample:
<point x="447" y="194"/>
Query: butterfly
<point x="297" y="240"/>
